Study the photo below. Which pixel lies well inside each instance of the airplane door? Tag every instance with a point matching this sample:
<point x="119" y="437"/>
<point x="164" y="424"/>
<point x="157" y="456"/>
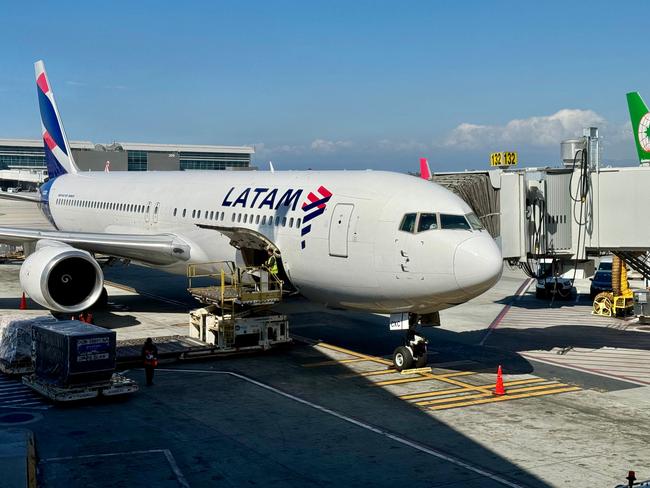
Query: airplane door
<point x="339" y="228"/>
<point x="155" y="212"/>
<point x="146" y="213"/>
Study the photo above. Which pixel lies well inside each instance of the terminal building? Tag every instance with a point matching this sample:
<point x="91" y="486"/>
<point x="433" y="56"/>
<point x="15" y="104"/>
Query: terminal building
<point x="22" y="161"/>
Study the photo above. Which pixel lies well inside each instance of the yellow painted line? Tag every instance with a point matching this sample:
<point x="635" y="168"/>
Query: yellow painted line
<point x="505" y="398"/>
<point x="448" y="391"/>
<point x="443" y="378"/>
<point x="333" y="362"/>
<point x="426" y="370"/>
<point x="352" y="353"/>
<point x="516" y="391"/>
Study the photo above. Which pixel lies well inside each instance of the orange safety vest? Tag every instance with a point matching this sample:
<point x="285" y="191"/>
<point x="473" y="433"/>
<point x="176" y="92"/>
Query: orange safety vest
<point x="149" y="358"/>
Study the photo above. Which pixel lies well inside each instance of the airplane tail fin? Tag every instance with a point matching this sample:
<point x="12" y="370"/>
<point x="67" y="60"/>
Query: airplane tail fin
<point x="425" y="171"/>
<point x="640" y="117"/>
<point x="58" y="156"/>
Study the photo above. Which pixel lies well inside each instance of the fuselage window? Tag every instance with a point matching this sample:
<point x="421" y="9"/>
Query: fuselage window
<point x="238" y="217"/>
<point x="223" y="215"/>
<point x="457" y="222"/>
<point x="175" y="212"/>
<point x="475" y="222"/>
<point x="408" y="223"/>
<point x="193" y="214"/>
<point x="184" y="211"/>
<point x="233" y="217"/>
<point x="291" y="222"/>
<point x="257" y="219"/>
<point x="277" y="221"/>
<point x="298" y="223"/>
<point x="428" y="221"/>
<point x="212" y="215"/>
<point x="245" y="218"/>
<point x="284" y="221"/>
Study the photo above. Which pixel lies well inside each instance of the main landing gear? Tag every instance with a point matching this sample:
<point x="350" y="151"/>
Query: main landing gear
<point x="413" y="354"/>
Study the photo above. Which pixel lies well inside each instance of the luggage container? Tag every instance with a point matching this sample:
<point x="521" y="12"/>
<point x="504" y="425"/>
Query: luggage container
<point x="70" y="352"/>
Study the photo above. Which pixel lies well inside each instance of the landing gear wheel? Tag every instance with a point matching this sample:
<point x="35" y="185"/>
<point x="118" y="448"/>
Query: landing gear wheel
<point x="402" y="358"/>
<point x="603" y="304"/>
<point x="421" y="361"/>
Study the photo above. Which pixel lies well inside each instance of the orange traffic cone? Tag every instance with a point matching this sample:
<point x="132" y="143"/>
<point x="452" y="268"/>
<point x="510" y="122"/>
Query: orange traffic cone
<point x="23" y="303"/>
<point x="499" y="388"/>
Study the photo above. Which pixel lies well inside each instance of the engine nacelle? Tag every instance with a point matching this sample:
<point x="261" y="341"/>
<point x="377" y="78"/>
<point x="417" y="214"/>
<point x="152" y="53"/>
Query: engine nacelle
<point x="61" y="278"/>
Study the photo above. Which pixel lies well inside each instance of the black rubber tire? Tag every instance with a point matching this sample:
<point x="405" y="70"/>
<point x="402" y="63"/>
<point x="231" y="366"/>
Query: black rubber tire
<point x="402" y="358"/>
<point x="422" y="361"/>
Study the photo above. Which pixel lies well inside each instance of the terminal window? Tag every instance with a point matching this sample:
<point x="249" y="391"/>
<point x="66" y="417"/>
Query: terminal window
<point x="137" y="160"/>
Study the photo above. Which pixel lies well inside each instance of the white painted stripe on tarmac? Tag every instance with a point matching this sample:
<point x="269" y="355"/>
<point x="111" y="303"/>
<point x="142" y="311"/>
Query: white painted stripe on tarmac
<point x="377" y="430"/>
<point x="584" y="370"/>
<point x="165" y="452"/>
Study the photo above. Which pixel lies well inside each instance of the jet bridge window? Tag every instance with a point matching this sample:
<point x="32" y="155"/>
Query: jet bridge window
<point x="428" y="221"/>
<point x="474" y="221"/>
<point x="457" y="222"/>
<point x="408" y="223"/>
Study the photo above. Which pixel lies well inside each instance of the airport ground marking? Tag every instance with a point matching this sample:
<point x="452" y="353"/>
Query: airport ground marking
<point x="509" y="394"/>
<point x="495" y="323"/>
<point x="448" y="391"/>
<point x="334" y="362"/>
<point x="356" y="354"/>
<point x="359" y="423"/>
<point x="165" y="452"/>
<point x="596" y="372"/>
<point x="504" y="398"/>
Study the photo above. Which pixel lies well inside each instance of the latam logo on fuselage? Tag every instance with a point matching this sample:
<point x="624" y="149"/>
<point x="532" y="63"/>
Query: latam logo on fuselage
<point x="266" y="197"/>
<point x="262" y="198"/>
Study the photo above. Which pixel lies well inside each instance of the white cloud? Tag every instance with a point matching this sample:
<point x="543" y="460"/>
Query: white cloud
<point x="325" y="146"/>
<point x="546" y="130"/>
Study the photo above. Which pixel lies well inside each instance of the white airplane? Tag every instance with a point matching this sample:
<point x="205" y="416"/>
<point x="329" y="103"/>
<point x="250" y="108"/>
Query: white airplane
<point x="367" y="240"/>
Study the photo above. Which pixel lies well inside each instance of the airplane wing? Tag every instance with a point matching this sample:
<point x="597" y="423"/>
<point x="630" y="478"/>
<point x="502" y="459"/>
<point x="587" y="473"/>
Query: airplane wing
<point x="23" y="197"/>
<point x="159" y="249"/>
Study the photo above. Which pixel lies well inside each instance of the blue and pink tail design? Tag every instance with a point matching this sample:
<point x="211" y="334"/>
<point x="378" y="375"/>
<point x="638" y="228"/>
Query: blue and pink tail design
<point x="314" y="207"/>
<point x="58" y="156"/>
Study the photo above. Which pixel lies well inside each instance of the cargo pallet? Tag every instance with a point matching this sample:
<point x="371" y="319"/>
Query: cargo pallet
<point x="118" y="385"/>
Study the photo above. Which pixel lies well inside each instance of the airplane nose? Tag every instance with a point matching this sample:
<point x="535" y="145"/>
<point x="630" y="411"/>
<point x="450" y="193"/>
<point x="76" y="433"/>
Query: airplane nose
<point x="477" y="264"/>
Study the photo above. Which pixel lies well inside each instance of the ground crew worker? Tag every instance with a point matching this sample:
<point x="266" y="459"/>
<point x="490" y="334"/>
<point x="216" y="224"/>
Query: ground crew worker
<point x="150" y="359"/>
<point x="272" y="263"/>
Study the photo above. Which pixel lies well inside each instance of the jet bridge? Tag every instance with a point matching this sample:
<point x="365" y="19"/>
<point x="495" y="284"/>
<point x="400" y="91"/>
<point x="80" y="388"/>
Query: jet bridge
<point x="571" y="213"/>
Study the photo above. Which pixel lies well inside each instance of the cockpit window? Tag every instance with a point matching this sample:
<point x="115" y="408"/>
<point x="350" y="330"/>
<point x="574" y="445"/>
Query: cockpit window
<point x="474" y="221"/>
<point x="428" y="221"/>
<point x="408" y="223"/>
<point x="454" y="222"/>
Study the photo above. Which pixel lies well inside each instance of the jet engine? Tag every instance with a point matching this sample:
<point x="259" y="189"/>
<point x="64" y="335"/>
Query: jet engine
<point x="61" y="278"/>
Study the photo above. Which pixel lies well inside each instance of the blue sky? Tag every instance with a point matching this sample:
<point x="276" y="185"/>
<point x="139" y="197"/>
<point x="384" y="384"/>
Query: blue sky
<point x="363" y="84"/>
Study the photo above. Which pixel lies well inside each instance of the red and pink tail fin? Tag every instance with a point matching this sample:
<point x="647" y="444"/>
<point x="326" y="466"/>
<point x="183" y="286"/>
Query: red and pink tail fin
<point x="58" y="156"/>
<point x="425" y="172"/>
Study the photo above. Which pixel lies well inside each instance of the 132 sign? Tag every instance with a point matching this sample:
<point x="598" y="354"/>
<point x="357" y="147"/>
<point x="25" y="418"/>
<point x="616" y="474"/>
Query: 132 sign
<point x="503" y="159"/>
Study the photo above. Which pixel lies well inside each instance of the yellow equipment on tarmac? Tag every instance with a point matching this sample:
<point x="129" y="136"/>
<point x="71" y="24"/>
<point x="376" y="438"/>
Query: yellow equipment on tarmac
<point x="620" y="301"/>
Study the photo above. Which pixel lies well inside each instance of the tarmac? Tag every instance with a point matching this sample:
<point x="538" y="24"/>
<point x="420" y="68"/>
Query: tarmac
<point x="330" y="411"/>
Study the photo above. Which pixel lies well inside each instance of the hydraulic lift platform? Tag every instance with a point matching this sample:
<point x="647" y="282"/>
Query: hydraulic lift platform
<point x="236" y="315"/>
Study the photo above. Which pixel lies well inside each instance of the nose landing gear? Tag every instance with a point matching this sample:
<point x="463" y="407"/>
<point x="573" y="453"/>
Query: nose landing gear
<point x="413" y="354"/>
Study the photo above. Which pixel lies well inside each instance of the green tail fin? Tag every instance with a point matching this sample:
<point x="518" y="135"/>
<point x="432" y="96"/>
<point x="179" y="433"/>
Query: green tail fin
<point x="640" y="116"/>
